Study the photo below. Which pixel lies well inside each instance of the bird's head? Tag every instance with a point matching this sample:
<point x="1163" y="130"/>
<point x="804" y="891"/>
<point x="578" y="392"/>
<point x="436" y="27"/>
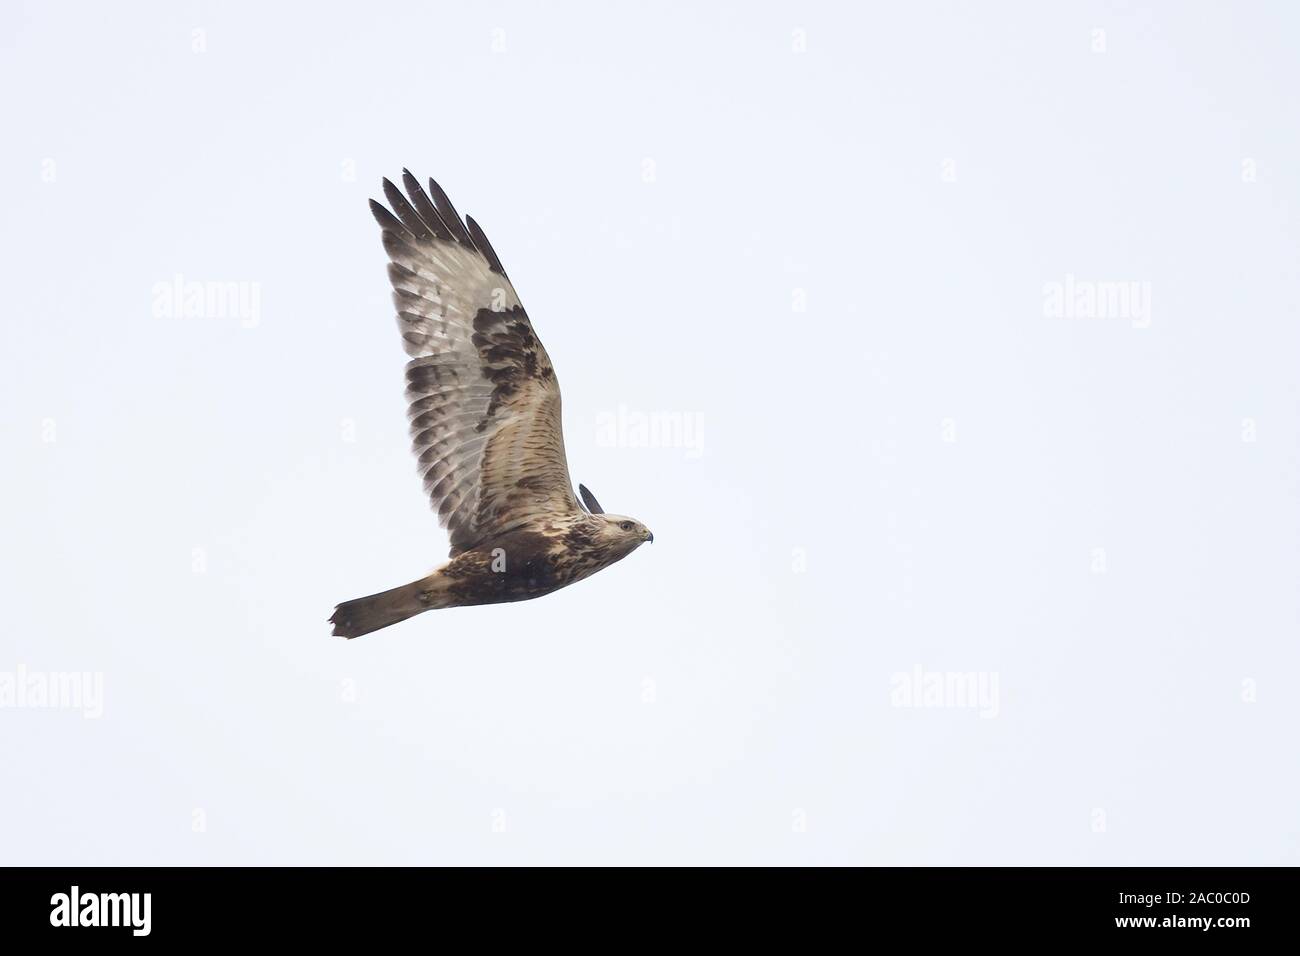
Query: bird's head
<point x="615" y="532"/>
<point x="624" y="532"/>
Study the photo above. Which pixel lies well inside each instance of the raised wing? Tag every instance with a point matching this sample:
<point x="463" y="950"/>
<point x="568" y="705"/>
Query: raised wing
<point x="484" y="400"/>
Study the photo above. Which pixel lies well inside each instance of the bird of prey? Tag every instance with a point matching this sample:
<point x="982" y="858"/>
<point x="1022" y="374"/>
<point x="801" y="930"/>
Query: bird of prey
<point x="485" y="423"/>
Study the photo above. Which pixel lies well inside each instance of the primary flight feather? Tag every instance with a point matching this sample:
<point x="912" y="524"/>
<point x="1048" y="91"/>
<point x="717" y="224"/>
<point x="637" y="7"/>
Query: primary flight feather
<point x="485" y="424"/>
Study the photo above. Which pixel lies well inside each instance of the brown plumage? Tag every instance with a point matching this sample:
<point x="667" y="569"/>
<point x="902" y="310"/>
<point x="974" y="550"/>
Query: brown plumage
<point x="485" y="423"/>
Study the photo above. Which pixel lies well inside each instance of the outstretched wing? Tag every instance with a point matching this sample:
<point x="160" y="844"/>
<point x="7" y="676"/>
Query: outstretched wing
<point x="484" y="400"/>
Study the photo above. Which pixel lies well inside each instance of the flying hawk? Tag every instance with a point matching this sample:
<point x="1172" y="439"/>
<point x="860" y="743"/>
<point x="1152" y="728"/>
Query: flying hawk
<point x="485" y="423"/>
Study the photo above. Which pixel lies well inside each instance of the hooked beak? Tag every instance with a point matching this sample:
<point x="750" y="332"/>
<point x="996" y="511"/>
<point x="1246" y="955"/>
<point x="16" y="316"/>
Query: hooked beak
<point x="649" y="536"/>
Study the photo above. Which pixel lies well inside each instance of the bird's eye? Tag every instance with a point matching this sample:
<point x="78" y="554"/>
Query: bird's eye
<point x="625" y="525"/>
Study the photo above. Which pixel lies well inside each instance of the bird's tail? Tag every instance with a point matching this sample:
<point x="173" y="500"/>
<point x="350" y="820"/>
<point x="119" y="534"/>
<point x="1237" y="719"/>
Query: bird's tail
<point x="354" y="618"/>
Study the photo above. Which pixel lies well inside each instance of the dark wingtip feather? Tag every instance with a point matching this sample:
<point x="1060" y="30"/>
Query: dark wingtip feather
<point x="590" y="501"/>
<point x="386" y="219"/>
<point x="485" y="247"/>
<point x="428" y="212"/>
<point x="413" y="221"/>
<point x="422" y="217"/>
<point x="449" y="214"/>
<point x="397" y="245"/>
